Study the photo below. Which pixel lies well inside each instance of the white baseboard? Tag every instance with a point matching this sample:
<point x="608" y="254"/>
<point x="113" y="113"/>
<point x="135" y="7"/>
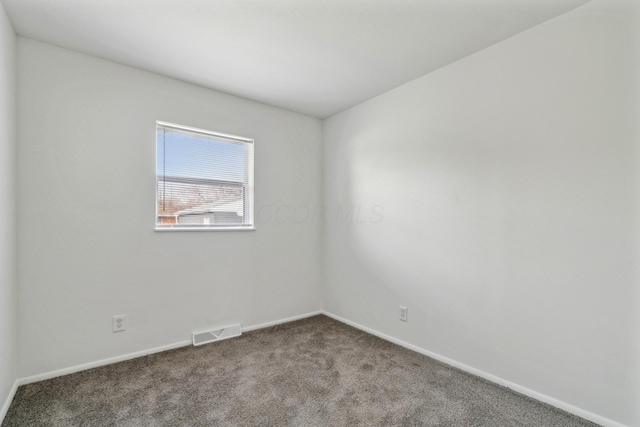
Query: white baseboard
<point x="605" y="422"/>
<point x="98" y="363"/>
<point x="516" y="387"/>
<point x="108" y="361"/>
<point x="281" y="321"/>
<point x="7" y="403"/>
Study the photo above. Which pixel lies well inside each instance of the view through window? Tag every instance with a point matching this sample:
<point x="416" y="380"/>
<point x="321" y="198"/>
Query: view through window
<point x="204" y="179"/>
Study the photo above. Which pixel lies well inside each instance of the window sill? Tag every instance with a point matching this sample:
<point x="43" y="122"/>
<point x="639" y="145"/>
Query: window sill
<point x="205" y="229"/>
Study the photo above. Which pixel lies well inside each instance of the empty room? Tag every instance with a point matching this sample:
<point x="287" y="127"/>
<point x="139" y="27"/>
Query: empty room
<point x="320" y="213"/>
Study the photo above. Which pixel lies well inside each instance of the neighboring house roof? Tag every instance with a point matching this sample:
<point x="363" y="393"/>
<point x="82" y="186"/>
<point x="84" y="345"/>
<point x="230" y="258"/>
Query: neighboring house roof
<point x="229" y="205"/>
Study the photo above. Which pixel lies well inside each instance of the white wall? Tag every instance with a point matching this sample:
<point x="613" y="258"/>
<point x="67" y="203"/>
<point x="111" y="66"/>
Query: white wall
<point x="496" y="198"/>
<point x="506" y="183"/>
<point x="8" y="201"/>
<point x="87" y="246"/>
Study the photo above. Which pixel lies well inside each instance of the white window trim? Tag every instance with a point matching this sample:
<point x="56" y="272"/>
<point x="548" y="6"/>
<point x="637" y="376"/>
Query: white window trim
<point x="250" y="168"/>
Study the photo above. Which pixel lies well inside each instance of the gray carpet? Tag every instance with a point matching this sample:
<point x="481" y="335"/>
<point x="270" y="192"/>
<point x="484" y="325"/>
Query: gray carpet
<point x="312" y="372"/>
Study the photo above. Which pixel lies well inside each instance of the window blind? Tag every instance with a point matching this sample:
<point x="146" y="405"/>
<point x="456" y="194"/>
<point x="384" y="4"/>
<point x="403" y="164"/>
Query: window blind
<point x="204" y="179"/>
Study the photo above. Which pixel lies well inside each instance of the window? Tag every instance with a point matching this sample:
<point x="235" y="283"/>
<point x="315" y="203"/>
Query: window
<point x="204" y="180"/>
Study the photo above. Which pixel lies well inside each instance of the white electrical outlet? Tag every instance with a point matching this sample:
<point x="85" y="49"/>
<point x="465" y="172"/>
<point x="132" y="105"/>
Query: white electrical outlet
<point x="119" y="324"/>
<point x="403" y="313"/>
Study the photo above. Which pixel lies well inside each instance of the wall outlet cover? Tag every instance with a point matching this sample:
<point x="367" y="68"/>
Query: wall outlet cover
<point x="118" y="323"/>
<point x="403" y="313"/>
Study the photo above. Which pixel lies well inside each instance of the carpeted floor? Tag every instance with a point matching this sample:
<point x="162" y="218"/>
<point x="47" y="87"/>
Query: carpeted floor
<point x="312" y="372"/>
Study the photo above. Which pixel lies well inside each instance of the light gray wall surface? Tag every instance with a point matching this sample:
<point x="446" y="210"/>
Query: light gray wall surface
<point x="8" y="202"/>
<point x="497" y="198"/>
<point x="88" y="249"/>
<point x="507" y="186"/>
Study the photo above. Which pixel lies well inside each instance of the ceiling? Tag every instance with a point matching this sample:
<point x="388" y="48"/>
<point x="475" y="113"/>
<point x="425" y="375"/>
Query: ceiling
<point x="316" y="57"/>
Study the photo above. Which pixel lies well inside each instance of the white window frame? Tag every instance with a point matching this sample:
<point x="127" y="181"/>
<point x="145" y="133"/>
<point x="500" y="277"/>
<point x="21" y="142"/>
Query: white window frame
<point x="248" y="187"/>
